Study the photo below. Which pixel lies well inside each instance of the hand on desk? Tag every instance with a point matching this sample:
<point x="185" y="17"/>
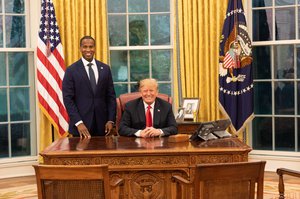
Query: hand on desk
<point x="150" y="132"/>
<point x="83" y="131"/>
<point x="83" y="144"/>
<point x="108" y="127"/>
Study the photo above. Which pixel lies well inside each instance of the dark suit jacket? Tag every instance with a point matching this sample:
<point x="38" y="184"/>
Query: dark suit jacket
<point x="81" y="102"/>
<point x="134" y="119"/>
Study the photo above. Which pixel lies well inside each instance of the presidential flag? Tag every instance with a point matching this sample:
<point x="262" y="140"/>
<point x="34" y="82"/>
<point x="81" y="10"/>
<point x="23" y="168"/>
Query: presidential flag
<point x="51" y="69"/>
<point x="235" y="71"/>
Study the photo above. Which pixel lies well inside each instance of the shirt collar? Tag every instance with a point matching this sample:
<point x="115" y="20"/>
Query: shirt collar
<point x="85" y="62"/>
<point x="146" y="105"/>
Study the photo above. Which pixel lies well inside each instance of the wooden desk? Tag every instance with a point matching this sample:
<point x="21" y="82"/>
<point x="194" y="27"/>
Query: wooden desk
<point x="146" y="165"/>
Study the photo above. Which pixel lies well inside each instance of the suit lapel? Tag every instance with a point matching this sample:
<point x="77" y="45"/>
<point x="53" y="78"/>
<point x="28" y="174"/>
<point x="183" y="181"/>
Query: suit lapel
<point x="84" y="75"/>
<point x="99" y="74"/>
<point x="156" y="113"/>
<point x="141" y="111"/>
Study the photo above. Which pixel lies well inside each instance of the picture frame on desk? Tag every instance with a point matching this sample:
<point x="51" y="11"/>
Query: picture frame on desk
<point x="180" y="114"/>
<point x="191" y="107"/>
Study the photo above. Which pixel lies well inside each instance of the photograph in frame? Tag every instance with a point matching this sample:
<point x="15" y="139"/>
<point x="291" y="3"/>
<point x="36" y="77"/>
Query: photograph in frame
<point x="191" y="107"/>
<point x="180" y="114"/>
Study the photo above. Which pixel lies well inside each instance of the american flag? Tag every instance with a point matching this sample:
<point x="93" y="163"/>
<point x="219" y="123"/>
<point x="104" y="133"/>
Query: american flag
<point x="51" y="69"/>
<point x="228" y="61"/>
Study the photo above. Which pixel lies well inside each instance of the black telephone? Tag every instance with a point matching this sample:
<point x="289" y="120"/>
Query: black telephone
<point x="211" y="130"/>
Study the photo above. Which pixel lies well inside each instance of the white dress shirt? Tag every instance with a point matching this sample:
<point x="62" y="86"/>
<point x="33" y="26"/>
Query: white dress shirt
<point x="94" y="67"/>
<point x="138" y="133"/>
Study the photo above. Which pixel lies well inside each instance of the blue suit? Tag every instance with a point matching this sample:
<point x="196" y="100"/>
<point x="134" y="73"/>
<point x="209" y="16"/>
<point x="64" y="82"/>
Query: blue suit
<point x="81" y="102"/>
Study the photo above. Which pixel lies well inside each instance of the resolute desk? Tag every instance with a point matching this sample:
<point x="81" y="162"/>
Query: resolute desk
<point x="146" y="165"/>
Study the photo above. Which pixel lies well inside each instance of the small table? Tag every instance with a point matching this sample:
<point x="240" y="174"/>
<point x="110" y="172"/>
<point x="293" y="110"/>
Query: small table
<point x="187" y="127"/>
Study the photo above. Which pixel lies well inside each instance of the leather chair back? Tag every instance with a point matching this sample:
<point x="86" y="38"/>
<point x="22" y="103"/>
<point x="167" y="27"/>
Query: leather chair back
<point x="126" y="97"/>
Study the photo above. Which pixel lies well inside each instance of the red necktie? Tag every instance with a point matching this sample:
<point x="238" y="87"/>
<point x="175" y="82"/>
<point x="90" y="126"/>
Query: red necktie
<point x="148" y="117"/>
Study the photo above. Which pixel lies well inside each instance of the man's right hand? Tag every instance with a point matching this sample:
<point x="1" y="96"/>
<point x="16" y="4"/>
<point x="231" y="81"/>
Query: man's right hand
<point x="83" y="131"/>
<point x="150" y="132"/>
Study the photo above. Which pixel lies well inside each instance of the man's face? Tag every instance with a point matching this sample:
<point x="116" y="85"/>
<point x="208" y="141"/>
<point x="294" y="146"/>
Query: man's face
<point x="87" y="49"/>
<point x="149" y="93"/>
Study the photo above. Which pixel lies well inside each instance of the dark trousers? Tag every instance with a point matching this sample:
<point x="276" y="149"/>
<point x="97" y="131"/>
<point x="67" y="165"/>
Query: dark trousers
<point x="95" y="131"/>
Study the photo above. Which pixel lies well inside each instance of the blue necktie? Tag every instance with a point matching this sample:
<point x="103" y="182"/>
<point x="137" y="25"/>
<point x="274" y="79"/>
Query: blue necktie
<point x="92" y="77"/>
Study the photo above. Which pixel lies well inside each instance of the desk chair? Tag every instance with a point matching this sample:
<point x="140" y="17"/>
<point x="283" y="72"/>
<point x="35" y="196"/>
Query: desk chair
<point x="225" y="181"/>
<point x="126" y="97"/>
<point x="73" y="181"/>
<point x="281" y="172"/>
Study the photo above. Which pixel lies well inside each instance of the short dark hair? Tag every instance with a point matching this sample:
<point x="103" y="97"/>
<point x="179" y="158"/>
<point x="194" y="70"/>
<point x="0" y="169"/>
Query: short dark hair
<point x="87" y="37"/>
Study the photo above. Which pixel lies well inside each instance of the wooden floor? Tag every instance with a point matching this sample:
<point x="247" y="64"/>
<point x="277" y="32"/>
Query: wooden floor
<point x="17" y="182"/>
<point x="271" y="191"/>
<point x="273" y="177"/>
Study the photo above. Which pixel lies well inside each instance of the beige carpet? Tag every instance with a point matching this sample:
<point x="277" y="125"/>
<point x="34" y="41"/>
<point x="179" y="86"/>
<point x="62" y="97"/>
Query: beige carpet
<point x="30" y="192"/>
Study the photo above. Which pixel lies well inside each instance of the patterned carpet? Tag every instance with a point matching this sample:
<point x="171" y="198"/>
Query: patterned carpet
<point x="29" y="191"/>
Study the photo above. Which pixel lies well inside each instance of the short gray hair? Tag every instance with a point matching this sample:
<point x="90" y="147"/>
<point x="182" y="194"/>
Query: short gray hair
<point x="148" y="81"/>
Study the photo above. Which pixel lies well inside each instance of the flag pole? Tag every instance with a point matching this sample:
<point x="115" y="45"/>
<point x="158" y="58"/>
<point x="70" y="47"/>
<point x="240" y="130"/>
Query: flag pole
<point x="235" y="20"/>
<point x="52" y="132"/>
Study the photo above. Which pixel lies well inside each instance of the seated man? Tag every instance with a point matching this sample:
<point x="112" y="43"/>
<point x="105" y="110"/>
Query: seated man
<point x="148" y="116"/>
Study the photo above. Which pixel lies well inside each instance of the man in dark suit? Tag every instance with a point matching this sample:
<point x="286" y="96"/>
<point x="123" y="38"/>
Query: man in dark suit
<point x="134" y="120"/>
<point x="89" y="94"/>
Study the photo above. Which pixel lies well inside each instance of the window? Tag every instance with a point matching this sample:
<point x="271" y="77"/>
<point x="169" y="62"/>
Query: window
<point x="276" y="70"/>
<point x="140" y="43"/>
<point x="17" y="126"/>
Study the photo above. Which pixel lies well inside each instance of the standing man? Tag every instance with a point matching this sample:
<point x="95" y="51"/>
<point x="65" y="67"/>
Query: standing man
<point x="89" y="94"/>
<point x="148" y="116"/>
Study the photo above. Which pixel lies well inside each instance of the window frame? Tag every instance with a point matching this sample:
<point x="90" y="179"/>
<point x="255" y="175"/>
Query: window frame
<point x="147" y="47"/>
<point x="273" y="43"/>
<point x="31" y="12"/>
